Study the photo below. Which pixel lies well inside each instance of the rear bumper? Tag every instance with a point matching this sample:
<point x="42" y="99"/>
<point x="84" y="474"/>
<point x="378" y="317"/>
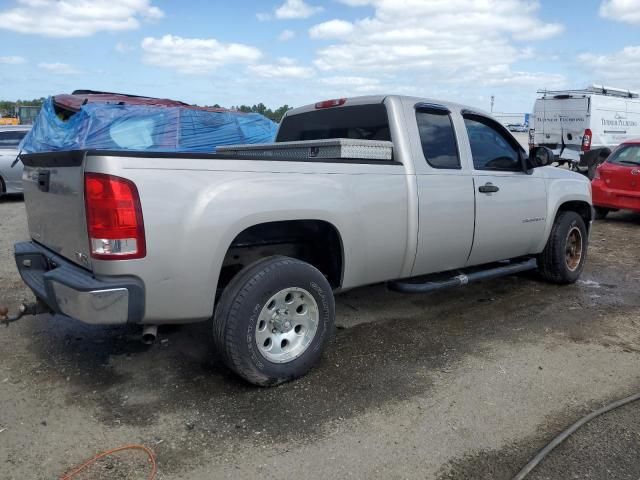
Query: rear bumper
<point x="70" y="290"/>
<point x="604" y="196"/>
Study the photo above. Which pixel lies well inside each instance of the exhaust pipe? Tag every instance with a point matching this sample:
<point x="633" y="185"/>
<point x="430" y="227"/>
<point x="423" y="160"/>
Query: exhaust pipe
<point x="149" y="334"/>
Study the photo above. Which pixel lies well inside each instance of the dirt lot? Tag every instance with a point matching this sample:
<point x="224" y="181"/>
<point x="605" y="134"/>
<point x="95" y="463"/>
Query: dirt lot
<point x="467" y="383"/>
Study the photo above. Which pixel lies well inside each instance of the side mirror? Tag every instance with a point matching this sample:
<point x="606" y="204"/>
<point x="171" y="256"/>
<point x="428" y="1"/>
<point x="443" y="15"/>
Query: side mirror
<point x="540" y="157"/>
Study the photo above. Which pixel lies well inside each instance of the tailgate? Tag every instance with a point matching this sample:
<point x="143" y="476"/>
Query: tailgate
<point x="622" y="170"/>
<point x="620" y="177"/>
<point x="54" y="199"/>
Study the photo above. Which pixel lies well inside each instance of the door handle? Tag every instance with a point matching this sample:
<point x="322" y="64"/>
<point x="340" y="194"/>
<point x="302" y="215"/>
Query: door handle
<point x="488" y="188"/>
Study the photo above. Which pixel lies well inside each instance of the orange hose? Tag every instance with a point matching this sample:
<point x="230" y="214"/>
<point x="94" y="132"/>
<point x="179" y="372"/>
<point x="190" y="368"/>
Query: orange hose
<point x="148" y="451"/>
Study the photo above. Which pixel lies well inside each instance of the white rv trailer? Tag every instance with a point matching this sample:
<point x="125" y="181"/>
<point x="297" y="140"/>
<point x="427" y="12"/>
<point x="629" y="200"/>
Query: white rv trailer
<point x="581" y="126"/>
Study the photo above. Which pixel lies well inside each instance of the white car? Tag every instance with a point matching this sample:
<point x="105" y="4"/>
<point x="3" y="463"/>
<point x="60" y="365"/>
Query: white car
<point x="11" y="178"/>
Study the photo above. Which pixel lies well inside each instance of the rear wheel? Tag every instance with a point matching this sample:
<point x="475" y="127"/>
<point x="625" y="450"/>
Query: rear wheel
<point x="562" y="260"/>
<point x="273" y="320"/>
<point x="601" y="212"/>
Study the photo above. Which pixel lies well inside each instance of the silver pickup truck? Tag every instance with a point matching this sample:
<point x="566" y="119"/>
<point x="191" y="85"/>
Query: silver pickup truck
<point x="258" y="239"/>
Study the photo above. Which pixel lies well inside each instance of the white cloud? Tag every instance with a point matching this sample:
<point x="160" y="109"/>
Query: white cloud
<point x="286" y="68"/>
<point x="621" y="10"/>
<point x="503" y="76"/>
<point x="355" y="84"/>
<point x="59" y="68"/>
<point x="12" y="60"/>
<point x="195" y="55"/>
<point x="435" y="42"/>
<point x="296" y="9"/>
<point x="332" y="29"/>
<point x="542" y="32"/>
<point x="619" y="69"/>
<point x="77" y="18"/>
<point x="286" y="35"/>
<point x="355" y="3"/>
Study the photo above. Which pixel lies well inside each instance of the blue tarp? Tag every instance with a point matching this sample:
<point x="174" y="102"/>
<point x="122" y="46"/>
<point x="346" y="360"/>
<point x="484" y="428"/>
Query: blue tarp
<point x="144" y="128"/>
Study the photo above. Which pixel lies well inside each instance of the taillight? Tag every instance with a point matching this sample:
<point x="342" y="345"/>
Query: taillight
<point x="114" y="217"/>
<point x="586" y="140"/>
<point x="336" y="102"/>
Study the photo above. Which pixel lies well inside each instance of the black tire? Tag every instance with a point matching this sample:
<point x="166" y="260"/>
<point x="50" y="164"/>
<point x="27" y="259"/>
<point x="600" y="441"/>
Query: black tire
<point x="3" y="189"/>
<point x="555" y="263"/>
<point x="601" y="212"/>
<point x="237" y="315"/>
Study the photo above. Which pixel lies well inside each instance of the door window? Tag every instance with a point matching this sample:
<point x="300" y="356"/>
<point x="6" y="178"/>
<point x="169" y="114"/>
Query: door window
<point x="491" y="148"/>
<point x="438" y="138"/>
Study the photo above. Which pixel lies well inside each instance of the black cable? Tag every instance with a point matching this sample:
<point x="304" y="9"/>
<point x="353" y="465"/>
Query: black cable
<point x="564" y="435"/>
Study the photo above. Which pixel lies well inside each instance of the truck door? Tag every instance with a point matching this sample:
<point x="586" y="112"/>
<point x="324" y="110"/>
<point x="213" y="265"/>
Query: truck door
<point x="445" y="191"/>
<point x="511" y="205"/>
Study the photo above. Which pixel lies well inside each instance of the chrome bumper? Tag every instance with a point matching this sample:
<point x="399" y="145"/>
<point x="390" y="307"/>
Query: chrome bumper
<point x="70" y="290"/>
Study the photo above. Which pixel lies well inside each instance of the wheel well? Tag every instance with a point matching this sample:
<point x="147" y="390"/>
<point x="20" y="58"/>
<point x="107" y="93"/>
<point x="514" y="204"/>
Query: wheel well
<point x="581" y="208"/>
<point x="314" y="241"/>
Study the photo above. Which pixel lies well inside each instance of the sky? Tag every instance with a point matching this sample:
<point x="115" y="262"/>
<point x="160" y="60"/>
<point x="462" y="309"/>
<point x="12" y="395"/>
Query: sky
<point x="296" y="52"/>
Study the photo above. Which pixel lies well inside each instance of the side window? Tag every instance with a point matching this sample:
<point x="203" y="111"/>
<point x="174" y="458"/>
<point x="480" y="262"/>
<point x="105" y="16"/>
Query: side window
<point x="438" y="138"/>
<point x="490" y="148"/>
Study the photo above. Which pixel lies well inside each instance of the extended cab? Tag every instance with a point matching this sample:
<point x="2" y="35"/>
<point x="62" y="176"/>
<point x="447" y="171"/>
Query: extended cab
<point x="258" y="239"/>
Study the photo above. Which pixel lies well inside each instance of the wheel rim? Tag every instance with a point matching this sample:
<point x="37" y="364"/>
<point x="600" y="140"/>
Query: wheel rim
<point x="573" y="251"/>
<point x="287" y="325"/>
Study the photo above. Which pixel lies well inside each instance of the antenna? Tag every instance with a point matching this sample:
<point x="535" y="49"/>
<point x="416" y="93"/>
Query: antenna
<point x="493" y="98"/>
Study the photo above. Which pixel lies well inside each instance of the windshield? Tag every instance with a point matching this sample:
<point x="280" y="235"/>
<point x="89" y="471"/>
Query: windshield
<point x="626" y="155"/>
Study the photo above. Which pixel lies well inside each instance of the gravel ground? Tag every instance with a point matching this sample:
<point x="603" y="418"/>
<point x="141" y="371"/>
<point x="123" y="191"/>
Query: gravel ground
<point x="467" y="383"/>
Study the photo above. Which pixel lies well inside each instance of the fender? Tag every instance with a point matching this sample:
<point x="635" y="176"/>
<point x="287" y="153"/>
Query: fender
<point x="563" y="186"/>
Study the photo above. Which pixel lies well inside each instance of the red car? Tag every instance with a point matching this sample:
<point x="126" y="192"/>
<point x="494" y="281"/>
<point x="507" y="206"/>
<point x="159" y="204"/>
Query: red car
<point x="616" y="185"/>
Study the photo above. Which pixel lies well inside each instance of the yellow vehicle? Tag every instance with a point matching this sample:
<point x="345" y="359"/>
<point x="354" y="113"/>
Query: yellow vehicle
<point x="9" y="121"/>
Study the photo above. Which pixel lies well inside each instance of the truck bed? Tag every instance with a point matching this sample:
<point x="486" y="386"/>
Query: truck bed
<point x="195" y="205"/>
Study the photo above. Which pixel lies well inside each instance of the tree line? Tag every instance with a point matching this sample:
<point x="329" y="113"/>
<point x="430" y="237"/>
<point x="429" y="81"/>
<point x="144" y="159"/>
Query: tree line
<point x="8" y="107"/>
<point x="275" y="115"/>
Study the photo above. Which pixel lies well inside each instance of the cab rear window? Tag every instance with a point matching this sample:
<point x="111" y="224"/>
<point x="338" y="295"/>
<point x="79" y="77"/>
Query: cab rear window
<point x="360" y="122"/>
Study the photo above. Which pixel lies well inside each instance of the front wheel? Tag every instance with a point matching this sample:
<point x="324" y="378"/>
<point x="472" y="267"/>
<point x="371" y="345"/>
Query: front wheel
<point x="273" y="320"/>
<point x="562" y="259"/>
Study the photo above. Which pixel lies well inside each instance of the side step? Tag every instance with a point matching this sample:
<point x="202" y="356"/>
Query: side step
<point x="405" y="286"/>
